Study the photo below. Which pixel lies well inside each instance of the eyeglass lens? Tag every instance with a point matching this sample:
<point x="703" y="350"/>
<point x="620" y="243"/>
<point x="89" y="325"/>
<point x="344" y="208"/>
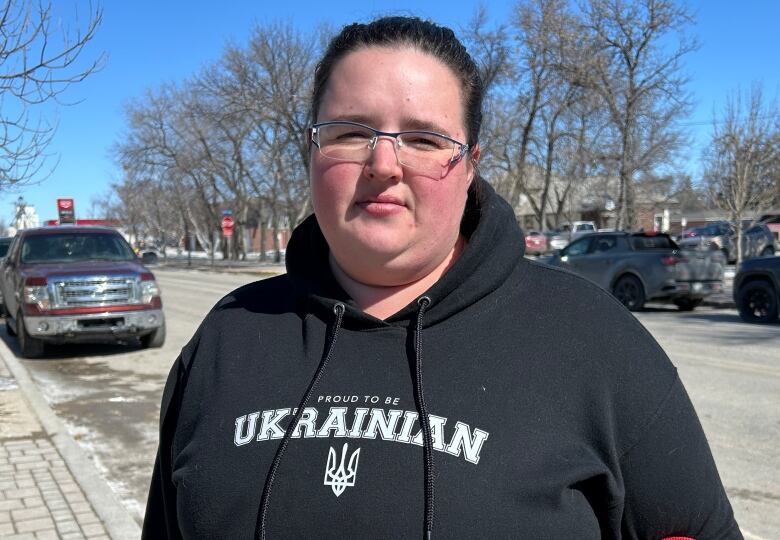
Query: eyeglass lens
<point x="426" y="152"/>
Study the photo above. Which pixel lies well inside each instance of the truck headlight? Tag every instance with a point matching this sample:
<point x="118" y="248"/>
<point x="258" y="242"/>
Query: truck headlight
<point x="149" y="290"/>
<point x="37" y="295"/>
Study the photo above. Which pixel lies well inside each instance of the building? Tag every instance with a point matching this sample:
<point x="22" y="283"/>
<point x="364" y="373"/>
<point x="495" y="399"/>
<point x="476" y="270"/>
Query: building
<point x="25" y="217"/>
<point x="595" y="199"/>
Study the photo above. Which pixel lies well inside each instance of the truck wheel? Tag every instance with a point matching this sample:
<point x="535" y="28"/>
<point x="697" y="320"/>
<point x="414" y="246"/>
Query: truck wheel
<point x="757" y="302"/>
<point x="30" y="346"/>
<point x="687" y="304"/>
<point x="155" y="340"/>
<point x="630" y="292"/>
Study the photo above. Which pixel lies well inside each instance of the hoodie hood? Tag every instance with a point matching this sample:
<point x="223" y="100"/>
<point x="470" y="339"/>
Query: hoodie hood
<point x="494" y="249"/>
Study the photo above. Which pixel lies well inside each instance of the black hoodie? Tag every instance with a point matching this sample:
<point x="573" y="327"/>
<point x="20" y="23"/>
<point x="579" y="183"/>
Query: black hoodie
<point x="552" y="412"/>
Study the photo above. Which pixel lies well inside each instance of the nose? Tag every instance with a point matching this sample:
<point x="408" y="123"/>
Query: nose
<point x="383" y="161"/>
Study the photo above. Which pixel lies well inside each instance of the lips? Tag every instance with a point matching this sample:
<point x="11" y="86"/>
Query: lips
<point x="382" y="204"/>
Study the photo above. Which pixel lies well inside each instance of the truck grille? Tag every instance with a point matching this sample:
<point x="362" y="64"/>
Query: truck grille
<point x="94" y="291"/>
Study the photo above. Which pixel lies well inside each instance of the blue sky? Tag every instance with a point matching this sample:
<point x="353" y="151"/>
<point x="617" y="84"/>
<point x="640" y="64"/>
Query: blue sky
<point x="151" y="42"/>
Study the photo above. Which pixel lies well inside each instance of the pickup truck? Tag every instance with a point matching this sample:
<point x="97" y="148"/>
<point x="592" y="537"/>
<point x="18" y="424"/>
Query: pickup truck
<point x="67" y="284"/>
<point x="637" y="267"/>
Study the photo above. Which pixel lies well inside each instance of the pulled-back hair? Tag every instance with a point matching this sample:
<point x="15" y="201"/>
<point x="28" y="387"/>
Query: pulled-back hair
<point x="425" y="36"/>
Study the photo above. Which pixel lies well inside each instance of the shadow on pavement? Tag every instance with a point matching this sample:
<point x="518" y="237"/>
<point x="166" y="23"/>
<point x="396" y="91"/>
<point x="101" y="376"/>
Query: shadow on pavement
<point x="71" y="350"/>
<point x="716" y="316"/>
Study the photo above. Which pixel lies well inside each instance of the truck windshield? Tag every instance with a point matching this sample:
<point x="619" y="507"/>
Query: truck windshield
<point x="69" y="247"/>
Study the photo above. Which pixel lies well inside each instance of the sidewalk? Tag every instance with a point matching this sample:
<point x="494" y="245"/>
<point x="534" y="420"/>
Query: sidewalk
<point x="49" y="489"/>
<point x="230" y="267"/>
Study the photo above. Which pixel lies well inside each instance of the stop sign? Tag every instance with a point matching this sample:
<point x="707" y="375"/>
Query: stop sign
<point x="227" y="225"/>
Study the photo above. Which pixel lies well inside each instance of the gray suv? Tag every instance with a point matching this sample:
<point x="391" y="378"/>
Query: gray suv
<point x="757" y="241"/>
<point x="644" y="266"/>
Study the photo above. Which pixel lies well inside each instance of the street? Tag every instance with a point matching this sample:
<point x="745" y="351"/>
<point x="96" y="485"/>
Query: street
<point x="109" y="395"/>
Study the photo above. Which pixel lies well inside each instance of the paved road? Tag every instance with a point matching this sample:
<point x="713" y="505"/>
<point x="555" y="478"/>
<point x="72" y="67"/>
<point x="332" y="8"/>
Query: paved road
<point x="732" y="373"/>
<point x="109" y="395"/>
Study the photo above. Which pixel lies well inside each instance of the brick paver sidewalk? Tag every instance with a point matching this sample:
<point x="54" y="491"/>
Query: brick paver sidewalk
<point x="39" y="497"/>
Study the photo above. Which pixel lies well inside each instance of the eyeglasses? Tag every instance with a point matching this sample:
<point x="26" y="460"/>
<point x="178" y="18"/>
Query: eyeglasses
<point x="425" y="151"/>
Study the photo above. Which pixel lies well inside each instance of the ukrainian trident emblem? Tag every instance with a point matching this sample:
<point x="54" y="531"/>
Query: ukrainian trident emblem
<point x="342" y="476"/>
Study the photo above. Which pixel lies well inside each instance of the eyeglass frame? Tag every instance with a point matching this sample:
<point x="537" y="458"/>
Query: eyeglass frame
<point x="462" y="150"/>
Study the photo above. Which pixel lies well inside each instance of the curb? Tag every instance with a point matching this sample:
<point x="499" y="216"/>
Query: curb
<point x="274" y="269"/>
<point x="116" y="519"/>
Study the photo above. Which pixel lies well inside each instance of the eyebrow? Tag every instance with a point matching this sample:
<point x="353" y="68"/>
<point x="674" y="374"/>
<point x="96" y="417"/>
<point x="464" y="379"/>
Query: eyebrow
<point x="410" y="124"/>
<point x="425" y="125"/>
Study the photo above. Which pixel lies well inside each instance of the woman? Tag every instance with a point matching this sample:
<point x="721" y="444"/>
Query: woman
<point x="385" y="387"/>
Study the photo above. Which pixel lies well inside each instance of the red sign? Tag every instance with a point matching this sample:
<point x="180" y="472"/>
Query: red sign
<point x="227" y="225"/>
<point x="66" y="210"/>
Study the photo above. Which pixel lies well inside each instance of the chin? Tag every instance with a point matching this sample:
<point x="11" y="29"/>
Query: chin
<point x="383" y="242"/>
<point x="384" y="265"/>
<point x="389" y="275"/>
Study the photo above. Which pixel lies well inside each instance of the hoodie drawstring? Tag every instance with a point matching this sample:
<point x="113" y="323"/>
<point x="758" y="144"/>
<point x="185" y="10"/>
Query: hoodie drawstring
<point x="338" y="309"/>
<point x="425" y="424"/>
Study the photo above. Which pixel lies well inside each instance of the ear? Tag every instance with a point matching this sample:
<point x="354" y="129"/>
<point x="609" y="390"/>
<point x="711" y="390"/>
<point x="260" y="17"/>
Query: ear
<point x="476" y="152"/>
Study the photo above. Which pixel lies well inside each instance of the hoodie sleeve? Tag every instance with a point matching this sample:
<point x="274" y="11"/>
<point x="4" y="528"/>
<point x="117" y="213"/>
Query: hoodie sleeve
<point x="672" y="487"/>
<point x="161" y="520"/>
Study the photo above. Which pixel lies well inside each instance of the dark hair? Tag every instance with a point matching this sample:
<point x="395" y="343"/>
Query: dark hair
<point x="425" y="36"/>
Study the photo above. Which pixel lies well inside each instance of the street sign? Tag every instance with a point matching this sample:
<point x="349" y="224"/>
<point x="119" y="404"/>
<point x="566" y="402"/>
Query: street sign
<point x="66" y="210"/>
<point x="227" y="225"/>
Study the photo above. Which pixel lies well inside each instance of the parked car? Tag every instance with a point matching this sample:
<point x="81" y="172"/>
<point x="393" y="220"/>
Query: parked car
<point x="556" y="239"/>
<point x="757" y="289"/>
<point x="578" y="229"/>
<point x="149" y="255"/>
<point x="5" y="242"/>
<point x="75" y="284"/>
<point x="715" y="235"/>
<point x="568" y="232"/>
<point x="637" y="267"/>
<point x="757" y="241"/>
<point x="535" y="243"/>
<point x="772" y="221"/>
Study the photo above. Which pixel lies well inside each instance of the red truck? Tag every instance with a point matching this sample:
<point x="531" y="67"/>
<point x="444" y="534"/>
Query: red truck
<point x="78" y="284"/>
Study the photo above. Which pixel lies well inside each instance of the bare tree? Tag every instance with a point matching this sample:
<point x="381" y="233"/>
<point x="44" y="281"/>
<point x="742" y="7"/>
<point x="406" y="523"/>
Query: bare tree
<point x="534" y="115"/>
<point x="38" y="62"/>
<point x="539" y="26"/>
<point x="742" y="163"/>
<point x="161" y="146"/>
<point x="638" y="46"/>
<point x="270" y="83"/>
<point x="231" y="137"/>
